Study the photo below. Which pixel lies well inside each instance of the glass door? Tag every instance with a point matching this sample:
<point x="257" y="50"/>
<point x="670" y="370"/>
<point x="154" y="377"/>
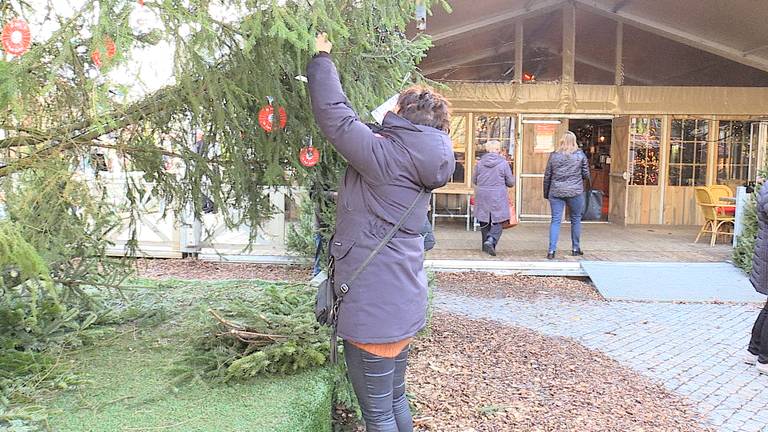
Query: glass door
<point x="540" y="138"/>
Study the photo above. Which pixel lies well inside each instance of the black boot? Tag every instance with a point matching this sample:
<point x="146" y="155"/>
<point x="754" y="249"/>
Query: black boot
<point x="489" y="248"/>
<point x="577" y="252"/>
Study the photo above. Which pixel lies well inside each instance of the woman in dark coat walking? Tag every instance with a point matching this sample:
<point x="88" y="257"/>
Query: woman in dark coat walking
<point x="564" y="185"/>
<point x="388" y="170"/>
<point x="492" y="177"/>
<point x="758" y="343"/>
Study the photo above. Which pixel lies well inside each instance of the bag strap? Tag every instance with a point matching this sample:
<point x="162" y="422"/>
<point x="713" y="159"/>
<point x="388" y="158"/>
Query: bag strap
<point x="345" y="286"/>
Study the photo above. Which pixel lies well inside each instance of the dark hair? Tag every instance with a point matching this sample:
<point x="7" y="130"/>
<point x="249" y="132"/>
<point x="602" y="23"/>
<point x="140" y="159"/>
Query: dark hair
<point x="423" y="106"/>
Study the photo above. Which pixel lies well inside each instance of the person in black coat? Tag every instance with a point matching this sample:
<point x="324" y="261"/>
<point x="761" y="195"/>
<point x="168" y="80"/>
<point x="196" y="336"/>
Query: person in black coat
<point x="758" y="343"/>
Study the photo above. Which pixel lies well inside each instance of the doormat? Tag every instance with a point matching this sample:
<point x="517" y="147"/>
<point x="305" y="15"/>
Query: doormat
<point x="671" y="282"/>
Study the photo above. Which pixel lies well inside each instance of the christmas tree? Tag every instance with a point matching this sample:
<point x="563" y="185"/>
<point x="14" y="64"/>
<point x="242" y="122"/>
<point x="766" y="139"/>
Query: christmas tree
<point x="72" y="92"/>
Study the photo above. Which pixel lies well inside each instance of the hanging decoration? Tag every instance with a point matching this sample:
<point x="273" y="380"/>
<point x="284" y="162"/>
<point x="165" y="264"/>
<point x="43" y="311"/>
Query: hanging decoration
<point x="267" y="116"/>
<point x="110" y="49"/>
<point x="16" y="37"/>
<point x="309" y="156"/>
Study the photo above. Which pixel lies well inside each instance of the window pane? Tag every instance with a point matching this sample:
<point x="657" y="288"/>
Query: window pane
<point x="491" y="127"/>
<point x="677" y="130"/>
<point x="734" y="155"/>
<point x="700" y="175"/>
<point x="687" y="155"/>
<point x="459" y="141"/>
<point x="674" y="176"/>
<point x="645" y="140"/>
<point x="675" y="151"/>
<point x="686" y="174"/>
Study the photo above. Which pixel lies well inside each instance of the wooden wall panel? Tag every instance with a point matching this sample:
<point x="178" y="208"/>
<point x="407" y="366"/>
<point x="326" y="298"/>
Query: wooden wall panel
<point x="680" y="207"/>
<point x="533" y="202"/>
<point x="643" y="205"/>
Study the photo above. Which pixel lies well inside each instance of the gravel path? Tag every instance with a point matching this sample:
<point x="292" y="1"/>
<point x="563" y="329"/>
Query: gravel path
<point x="694" y="350"/>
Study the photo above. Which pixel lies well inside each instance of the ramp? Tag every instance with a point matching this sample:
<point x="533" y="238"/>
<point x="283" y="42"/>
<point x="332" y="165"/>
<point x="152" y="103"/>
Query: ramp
<point x="684" y="282"/>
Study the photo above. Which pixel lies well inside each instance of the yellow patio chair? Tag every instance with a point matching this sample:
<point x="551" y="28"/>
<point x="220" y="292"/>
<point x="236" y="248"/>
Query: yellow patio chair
<point x="721" y="191"/>
<point x="716" y="214"/>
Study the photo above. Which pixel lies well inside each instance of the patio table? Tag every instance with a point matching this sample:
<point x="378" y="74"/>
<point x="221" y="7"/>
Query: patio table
<point x="452" y="191"/>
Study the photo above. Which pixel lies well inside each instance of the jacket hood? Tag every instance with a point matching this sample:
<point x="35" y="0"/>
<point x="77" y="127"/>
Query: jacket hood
<point x="490" y="160"/>
<point x="430" y="149"/>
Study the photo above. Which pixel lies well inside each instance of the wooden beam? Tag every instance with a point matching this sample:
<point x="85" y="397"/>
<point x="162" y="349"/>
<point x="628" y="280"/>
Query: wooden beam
<point x="519" y="35"/>
<point x="540" y="7"/>
<point x="676" y="34"/>
<point x="597" y="64"/>
<point x="569" y="43"/>
<point x="620" y="5"/>
<point x="603" y="67"/>
<point x="619" y="71"/>
<point x="447" y="63"/>
<point x="754" y="50"/>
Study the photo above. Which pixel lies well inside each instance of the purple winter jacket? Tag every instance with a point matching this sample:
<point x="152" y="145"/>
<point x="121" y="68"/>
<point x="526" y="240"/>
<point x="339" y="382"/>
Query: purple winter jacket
<point x="387" y="169"/>
<point x="492" y="177"/>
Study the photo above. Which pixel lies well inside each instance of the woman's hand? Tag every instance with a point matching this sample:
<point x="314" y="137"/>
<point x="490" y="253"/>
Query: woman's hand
<point x="322" y="44"/>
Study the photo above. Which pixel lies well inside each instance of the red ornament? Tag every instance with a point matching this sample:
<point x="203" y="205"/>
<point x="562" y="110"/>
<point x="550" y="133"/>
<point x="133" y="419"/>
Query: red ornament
<point x="110" y="49"/>
<point x="309" y="156"/>
<point x="267" y="115"/>
<point x="16" y="37"/>
<point x="96" y="57"/>
<point x="110" y="46"/>
<point x="527" y="77"/>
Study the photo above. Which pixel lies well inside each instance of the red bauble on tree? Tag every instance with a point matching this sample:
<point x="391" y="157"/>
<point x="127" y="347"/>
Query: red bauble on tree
<point x="16" y="37"/>
<point x="267" y="116"/>
<point x="309" y="156"/>
<point x="110" y="49"/>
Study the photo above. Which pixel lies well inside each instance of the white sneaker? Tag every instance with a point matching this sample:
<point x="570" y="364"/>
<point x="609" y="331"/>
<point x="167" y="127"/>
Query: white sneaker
<point x="750" y="359"/>
<point x="762" y="368"/>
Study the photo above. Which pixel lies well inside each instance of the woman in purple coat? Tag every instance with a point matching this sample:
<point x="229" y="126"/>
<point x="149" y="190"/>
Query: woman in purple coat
<point x="492" y="177"/>
<point x="388" y="169"/>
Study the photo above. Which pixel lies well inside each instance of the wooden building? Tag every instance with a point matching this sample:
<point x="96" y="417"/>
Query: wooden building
<point x="663" y="95"/>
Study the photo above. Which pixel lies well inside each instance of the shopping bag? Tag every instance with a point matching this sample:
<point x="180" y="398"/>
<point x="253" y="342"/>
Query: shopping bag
<point x="513" y="219"/>
<point x="593" y="206"/>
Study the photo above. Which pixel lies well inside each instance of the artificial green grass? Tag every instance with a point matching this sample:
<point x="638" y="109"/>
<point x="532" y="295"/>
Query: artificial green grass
<point x="129" y="385"/>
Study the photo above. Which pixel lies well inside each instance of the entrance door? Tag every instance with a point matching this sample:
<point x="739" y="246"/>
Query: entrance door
<point x="619" y="181"/>
<point x="540" y="138"/>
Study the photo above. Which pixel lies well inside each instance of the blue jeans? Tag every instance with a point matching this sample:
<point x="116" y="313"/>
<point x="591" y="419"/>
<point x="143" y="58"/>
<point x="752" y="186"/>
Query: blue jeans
<point x="379" y="384"/>
<point x="576" y="207"/>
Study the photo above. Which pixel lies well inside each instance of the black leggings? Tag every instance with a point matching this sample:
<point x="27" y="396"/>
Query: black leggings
<point x="379" y="384"/>
<point x="758" y="344"/>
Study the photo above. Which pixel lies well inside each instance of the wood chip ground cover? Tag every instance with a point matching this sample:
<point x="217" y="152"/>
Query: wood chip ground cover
<point x="489" y="285"/>
<point x="473" y="375"/>
<point x="188" y="269"/>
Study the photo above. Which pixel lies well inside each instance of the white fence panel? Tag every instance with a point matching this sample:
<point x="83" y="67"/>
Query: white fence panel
<point x="157" y="236"/>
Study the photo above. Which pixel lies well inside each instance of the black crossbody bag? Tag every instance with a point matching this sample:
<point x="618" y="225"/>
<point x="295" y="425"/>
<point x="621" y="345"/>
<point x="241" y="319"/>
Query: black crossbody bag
<point x="329" y="297"/>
